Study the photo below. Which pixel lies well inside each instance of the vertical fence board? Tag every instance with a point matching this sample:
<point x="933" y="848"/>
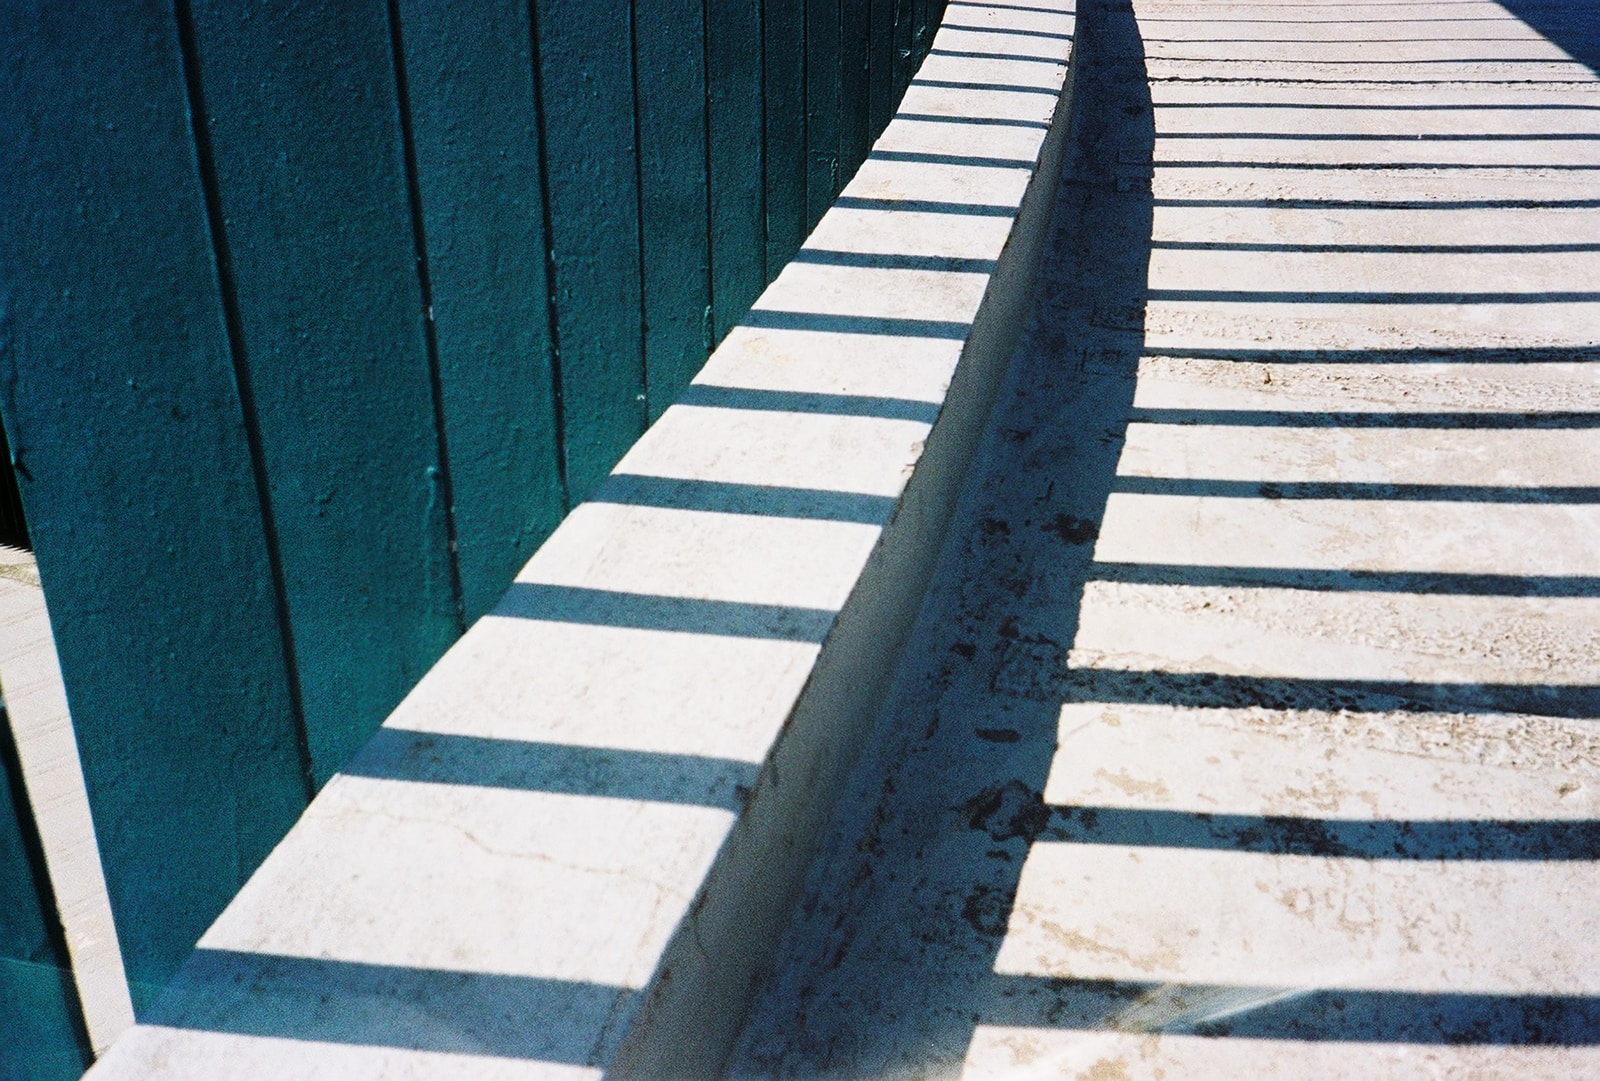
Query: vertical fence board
<point x="310" y="173"/>
<point x="733" y="59"/>
<point x="670" y="55"/>
<point x="880" y="66"/>
<point x="855" y="136"/>
<point x="117" y="391"/>
<point x="586" y="74"/>
<point x="905" y="31"/>
<point x="921" y="31"/>
<point x="783" y="26"/>
<point x="822" y="107"/>
<point x="475" y="130"/>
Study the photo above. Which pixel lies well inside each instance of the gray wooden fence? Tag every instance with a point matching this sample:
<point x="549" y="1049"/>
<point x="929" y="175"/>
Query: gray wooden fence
<point x="315" y="318"/>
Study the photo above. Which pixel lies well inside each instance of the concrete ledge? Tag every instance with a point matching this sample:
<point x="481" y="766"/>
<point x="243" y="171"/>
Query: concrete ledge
<point x="570" y="850"/>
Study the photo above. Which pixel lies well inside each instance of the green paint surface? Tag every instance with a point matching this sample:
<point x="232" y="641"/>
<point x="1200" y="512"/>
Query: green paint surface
<point x="881" y="97"/>
<point x="118" y="396"/>
<point x="823" y="176"/>
<point x="670" y="61"/>
<point x="855" y="102"/>
<point x="305" y="125"/>
<point x="738" y="255"/>
<point x="475" y="126"/>
<point x="586" y="71"/>
<point x="783" y="27"/>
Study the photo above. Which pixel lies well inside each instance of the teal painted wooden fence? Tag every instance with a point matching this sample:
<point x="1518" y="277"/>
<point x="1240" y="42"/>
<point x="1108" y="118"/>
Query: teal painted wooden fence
<point x="315" y="319"/>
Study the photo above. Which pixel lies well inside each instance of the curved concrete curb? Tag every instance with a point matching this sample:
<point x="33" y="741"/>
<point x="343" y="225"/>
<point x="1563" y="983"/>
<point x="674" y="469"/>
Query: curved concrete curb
<point x="571" y="848"/>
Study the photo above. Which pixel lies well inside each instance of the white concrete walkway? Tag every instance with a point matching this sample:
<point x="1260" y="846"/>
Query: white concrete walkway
<point x="1251" y="725"/>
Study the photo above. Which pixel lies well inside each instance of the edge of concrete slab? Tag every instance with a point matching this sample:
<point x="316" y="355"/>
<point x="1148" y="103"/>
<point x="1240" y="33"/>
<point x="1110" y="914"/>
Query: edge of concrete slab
<point x="611" y="788"/>
<point x="687" y="1025"/>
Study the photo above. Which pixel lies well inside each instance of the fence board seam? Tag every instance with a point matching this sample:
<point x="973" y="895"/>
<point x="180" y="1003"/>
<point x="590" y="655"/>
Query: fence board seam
<point x="227" y="287"/>
<point x="556" y="395"/>
<point x="430" y="335"/>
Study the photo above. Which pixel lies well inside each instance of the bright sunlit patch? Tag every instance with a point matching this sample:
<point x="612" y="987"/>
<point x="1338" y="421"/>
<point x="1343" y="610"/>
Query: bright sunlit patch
<point x="1165" y="915"/>
<point x="154" y="1050"/>
<point x="1037" y="1054"/>
<point x="1321" y="764"/>
<point x="480" y="879"/>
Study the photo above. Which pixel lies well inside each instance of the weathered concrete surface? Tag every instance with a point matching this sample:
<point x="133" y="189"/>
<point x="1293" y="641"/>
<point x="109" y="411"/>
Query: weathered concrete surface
<point x="572" y="848"/>
<point x="1249" y="726"/>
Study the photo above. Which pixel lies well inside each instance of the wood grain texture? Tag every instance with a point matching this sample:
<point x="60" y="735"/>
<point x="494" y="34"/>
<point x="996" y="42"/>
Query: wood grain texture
<point x="305" y="128"/>
<point x="586" y="70"/>
<point x="733" y="59"/>
<point x="474" y="126"/>
<point x="670" y="64"/>
<point x="118" y="395"/>
<point x="783" y="26"/>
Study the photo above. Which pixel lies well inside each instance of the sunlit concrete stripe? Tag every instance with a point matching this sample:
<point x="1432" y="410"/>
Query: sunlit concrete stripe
<point x="1016" y="1053"/>
<point x="1530" y="151"/>
<point x="830" y="361"/>
<point x="887" y="291"/>
<point x="1439" y="231"/>
<point x="1400" y="383"/>
<point x="589" y="900"/>
<point x="667" y="704"/>
<point x="748" y="558"/>
<point x="1294" y="49"/>
<point x="1180" y="325"/>
<point x="203" y="1053"/>
<point x="1531" y="459"/>
<point x="1288" y="13"/>
<point x="949" y="182"/>
<point x="1352" y="636"/>
<point x="839" y="453"/>
<point x="1282" y="10"/>
<point x="1460" y="538"/>
<point x="1108" y="912"/>
<point x="1319" y="765"/>
<point x="1381" y="189"/>
<point x="955" y="231"/>
<point x="1554" y="72"/>
<point x="1399" y="120"/>
<point x="1165" y="24"/>
<point x="1480" y="274"/>
<point x="1407" y="97"/>
<point x="985" y="138"/>
<point x="999" y="68"/>
<point x="1385" y="177"/>
<point x="571" y="847"/>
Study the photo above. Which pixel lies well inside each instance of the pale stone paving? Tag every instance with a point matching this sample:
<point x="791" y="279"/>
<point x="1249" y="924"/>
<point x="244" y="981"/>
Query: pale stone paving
<point x="1250" y="729"/>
